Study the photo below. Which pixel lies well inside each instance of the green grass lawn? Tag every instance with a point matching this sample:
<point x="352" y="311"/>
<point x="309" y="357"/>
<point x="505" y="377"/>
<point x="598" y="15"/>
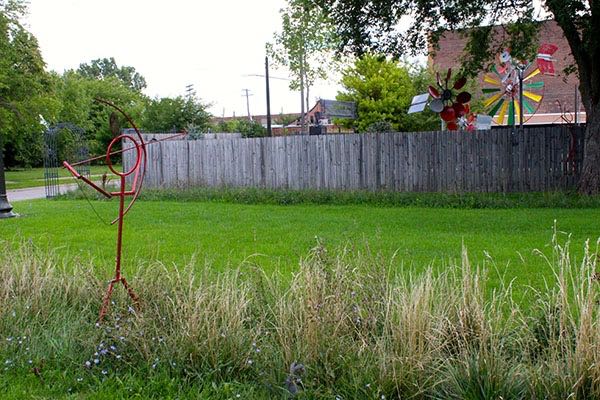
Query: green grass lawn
<point x="33" y="177"/>
<point x="276" y="237"/>
<point x="53" y="313"/>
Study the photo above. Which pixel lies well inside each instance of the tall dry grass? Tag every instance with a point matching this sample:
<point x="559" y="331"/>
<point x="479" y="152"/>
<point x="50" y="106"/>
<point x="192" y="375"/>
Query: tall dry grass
<point x="359" y="329"/>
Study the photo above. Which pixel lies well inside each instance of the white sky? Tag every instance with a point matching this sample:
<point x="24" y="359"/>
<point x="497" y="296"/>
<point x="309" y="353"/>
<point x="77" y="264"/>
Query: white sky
<point x="211" y="44"/>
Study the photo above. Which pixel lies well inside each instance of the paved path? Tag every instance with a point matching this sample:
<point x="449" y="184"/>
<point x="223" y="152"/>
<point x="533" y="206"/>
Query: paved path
<point x="35" y="192"/>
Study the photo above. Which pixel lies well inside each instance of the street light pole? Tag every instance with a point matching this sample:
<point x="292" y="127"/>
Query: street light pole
<point x="5" y="207"/>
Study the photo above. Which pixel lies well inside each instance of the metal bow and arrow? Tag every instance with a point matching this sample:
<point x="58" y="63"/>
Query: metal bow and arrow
<point x="141" y="147"/>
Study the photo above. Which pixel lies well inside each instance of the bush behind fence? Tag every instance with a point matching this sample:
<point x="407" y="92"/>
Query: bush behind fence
<point x="537" y="159"/>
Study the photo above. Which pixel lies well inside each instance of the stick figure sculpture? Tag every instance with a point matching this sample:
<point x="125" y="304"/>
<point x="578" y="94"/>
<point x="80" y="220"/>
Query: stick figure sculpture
<point x="137" y="172"/>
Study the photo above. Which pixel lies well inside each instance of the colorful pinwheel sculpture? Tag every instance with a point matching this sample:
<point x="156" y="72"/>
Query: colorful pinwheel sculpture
<point x="502" y="90"/>
<point x="453" y="108"/>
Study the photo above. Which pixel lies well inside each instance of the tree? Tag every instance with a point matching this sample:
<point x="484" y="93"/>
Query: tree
<point x="368" y="25"/>
<point x="102" y="68"/>
<point x="75" y="96"/>
<point x="241" y="125"/>
<point x="304" y="46"/>
<point x="382" y="90"/>
<point x="24" y="87"/>
<point x="178" y="114"/>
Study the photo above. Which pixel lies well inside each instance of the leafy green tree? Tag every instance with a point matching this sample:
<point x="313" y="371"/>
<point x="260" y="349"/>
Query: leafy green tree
<point x="372" y="25"/>
<point x="242" y="125"/>
<point x="382" y="90"/>
<point x="75" y="95"/>
<point x="176" y="114"/>
<point x="102" y="68"/>
<point x="24" y="86"/>
<point x="304" y="46"/>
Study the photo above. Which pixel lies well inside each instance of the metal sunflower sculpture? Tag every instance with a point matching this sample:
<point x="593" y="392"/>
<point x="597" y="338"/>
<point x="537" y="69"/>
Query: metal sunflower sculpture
<point x="513" y="90"/>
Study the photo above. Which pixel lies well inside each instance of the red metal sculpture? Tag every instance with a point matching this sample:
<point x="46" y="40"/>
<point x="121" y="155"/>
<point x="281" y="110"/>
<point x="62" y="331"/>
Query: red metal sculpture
<point x="137" y="171"/>
<point x="453" y="108"/>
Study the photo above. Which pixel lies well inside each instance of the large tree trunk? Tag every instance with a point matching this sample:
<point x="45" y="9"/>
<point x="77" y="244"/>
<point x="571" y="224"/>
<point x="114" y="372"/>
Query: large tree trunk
<point x="589" y="183"/>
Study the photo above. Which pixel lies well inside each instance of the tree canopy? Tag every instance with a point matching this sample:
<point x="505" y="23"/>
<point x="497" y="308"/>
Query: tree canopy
<point x="382" y="90"/>
<point x="103" y="68"/>
<point x="24" y="84"/>
<point x="175" y="114"/>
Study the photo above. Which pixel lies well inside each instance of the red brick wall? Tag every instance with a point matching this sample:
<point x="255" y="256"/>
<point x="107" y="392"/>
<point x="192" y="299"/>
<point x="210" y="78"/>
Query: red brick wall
<point x="559" y="87"/>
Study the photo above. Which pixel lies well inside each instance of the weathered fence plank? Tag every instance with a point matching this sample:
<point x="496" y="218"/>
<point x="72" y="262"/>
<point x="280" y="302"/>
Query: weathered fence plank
<point x="486" y="161"/>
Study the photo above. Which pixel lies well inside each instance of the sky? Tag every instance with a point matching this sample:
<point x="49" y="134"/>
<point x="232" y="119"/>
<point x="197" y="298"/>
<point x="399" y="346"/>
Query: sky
<point x="212" y="44"/>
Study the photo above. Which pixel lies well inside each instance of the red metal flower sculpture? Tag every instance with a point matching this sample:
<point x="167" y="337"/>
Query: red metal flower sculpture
<point x="453" y="108"/>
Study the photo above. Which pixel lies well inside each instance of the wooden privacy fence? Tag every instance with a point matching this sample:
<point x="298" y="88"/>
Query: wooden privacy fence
<point x="537" y="159"/>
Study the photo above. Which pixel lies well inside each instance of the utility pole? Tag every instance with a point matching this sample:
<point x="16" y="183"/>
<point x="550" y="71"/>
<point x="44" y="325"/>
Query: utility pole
<point x="302" y="116"/>
<point x="269" y="130"/>
<point x="247" y="94"/>
<point x="5" y="207"/>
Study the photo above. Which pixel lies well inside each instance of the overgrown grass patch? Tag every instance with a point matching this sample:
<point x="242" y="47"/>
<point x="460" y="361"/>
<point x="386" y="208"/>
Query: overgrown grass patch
<point x="558" y="199"/>
<point x="347" y="325"/>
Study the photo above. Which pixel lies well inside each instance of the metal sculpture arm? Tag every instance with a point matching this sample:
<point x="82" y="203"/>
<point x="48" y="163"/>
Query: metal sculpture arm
<point x="77" y="175"/>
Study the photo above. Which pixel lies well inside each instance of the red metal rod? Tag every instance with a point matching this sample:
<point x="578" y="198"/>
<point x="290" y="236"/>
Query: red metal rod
<point x="127" y="149"/>
<point x="77" y="175"/>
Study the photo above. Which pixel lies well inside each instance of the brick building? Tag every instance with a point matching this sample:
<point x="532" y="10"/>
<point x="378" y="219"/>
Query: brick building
<point x="560" y="91"/>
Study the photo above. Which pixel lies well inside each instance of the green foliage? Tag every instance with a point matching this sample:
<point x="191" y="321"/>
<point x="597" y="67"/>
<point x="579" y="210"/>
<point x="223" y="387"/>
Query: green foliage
<point x="241" y="125"/>
<point x="103" y="68"/>
<point x="175" y="114"/>
<point x="24" y="85"/>
<point x="382" y="90"/>
<point x="558" y="200"/>
<point x="372" y="26"/>
<point x="75" y="96"/>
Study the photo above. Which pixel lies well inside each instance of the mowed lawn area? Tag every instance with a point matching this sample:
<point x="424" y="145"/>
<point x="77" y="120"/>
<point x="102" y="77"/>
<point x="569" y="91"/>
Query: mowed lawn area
<point x="225" y="235"/>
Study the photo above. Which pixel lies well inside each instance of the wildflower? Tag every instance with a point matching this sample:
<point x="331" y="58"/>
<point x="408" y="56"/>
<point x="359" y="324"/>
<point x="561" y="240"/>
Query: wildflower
<point x="104" y="372"/>
<point x="113" y="348"/>
<point x="29" y="362"/>
<point x="249" y="362"/>
<point x="8" y="362"/>
<point x="96" y="361"/>
<point x="88" y="364"/>
<point x="79" y="379"/>
<point x="118" y="357"/>
<point x="131" y="310"/>
<point x="9" y="339"/>
<point x="14" y="314"/>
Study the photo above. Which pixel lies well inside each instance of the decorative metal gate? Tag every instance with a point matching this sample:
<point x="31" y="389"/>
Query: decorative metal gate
<point x="64" y="141"/>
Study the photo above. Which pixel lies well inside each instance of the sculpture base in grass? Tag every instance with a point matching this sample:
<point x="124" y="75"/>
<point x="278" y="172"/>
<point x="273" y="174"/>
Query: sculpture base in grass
<point x="6" y="209"/>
